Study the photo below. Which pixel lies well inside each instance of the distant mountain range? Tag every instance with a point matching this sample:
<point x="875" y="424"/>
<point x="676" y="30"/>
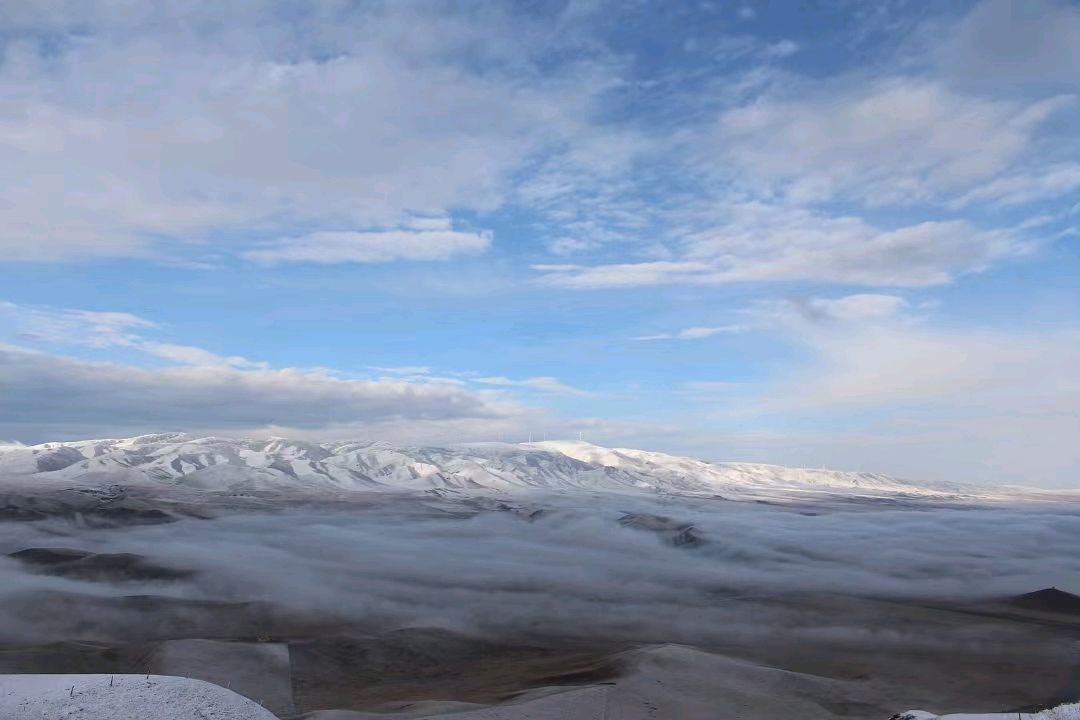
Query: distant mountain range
<point x="276" y="465"/>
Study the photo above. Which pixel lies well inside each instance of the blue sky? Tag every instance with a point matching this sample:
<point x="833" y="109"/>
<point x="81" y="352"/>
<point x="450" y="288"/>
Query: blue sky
<point x="815" y="233"/>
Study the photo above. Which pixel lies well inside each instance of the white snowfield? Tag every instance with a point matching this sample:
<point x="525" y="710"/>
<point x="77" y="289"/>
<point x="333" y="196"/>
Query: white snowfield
<point x="276" y="465"/>
<point x="121" y="697"/>
<point x="1061" y="712"/>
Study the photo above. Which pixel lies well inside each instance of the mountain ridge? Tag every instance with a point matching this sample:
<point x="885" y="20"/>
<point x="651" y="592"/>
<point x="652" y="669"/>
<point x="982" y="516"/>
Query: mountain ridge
<point x="276" y="464"/>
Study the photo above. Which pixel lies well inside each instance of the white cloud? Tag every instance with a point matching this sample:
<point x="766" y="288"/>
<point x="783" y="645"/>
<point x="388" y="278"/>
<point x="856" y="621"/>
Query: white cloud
<point x="624" y="274"/>
<point x="1016" y="189"/>
<point x="570" y="245"/>
<point x="759" y="242"/>
<point x="147" y="129"/>
<point x="859" y="308"/>
<point x="781" y="49"/>
<point x="371" y="246"/>
<point x="707" y="388"/>
<point x="589" y="192"/>
<point x="404" y="369"/>
<point x="501" y="577"/>
<point x="799" y="313"/>
<point x="870" y="350"/>
<point x="542" y="383"/>
<point x="204" y="391"/>
<point x="897" y="140"/>
<point x="429" y="223"/>
<point x="1028" y="43"/>
<point x="108" y="330"/>
<point x="880" y="365"/>
<point x="189" y="355"/>
<point x="79" y="327"/>
<point x="999" y="405"/>
<point x="695" y="333"/>
<point x="46" y="393"/>
<point x="786" y="163"/>
<point x="286" y="124"/>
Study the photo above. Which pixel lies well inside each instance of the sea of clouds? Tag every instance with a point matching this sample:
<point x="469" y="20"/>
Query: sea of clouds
<point x="573" y="570"/>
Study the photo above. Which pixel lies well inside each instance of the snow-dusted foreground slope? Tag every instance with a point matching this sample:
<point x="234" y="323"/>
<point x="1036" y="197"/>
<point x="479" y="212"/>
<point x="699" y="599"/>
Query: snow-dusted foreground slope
<point x="278" y="465"/>
<point x="121" y="697"/>
<point x="1062" y="712"/>
<point x="670" y="681"/>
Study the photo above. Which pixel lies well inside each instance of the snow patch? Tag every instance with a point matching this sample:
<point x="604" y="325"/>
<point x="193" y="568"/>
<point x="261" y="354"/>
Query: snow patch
<point x="1061" y="712"/>
<point x="122" y="697"/>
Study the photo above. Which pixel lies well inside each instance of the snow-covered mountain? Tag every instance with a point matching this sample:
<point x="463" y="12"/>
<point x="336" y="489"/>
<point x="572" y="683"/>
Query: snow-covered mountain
<point x="278" y="465"/>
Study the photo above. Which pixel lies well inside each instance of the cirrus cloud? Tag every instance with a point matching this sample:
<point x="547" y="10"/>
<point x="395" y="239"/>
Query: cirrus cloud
<point x="371" y="246"/>
<point x="760" y="242"/>
<point x="541" y="383"/>
<point x="897" y="140"/>
<point x="694" y="333"/>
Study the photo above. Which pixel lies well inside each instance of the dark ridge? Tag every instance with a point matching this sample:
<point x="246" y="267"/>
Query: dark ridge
<point x="106" y="567"/>
<point x="1048" y="600"/>
<point x="12" y="512"/>
<point x="48" y="556"/>
<point x="675" y="532"/>
<point x="123" y="516"/>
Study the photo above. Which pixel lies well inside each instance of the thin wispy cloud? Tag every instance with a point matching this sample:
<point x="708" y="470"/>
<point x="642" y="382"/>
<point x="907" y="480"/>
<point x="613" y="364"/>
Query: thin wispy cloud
<point x="404" y="369"/>
<point x="695" y="333"/>
<point x="371" y="247"/>
<point x="543" y="384"/>
<point x="707" y="388"/>
<point x="768" y="244"/>
<point x="104" y="330"/>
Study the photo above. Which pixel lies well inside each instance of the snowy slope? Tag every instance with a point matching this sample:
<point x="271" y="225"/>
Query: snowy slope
<point x="121" y="697"/>
<point x="279" y="465"/>
<point x="722" y="474"/>
<point x="1062" y="712"/>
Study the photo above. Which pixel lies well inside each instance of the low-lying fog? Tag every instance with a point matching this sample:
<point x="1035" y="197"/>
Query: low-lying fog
<point x="566" y="571"/>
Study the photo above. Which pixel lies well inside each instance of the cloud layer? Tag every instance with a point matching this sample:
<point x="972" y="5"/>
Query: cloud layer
<point x="43" y="390"/>
<point x="576" y="571"/>
<point x="165" y="385"/>
<point x="164" y="125"/>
